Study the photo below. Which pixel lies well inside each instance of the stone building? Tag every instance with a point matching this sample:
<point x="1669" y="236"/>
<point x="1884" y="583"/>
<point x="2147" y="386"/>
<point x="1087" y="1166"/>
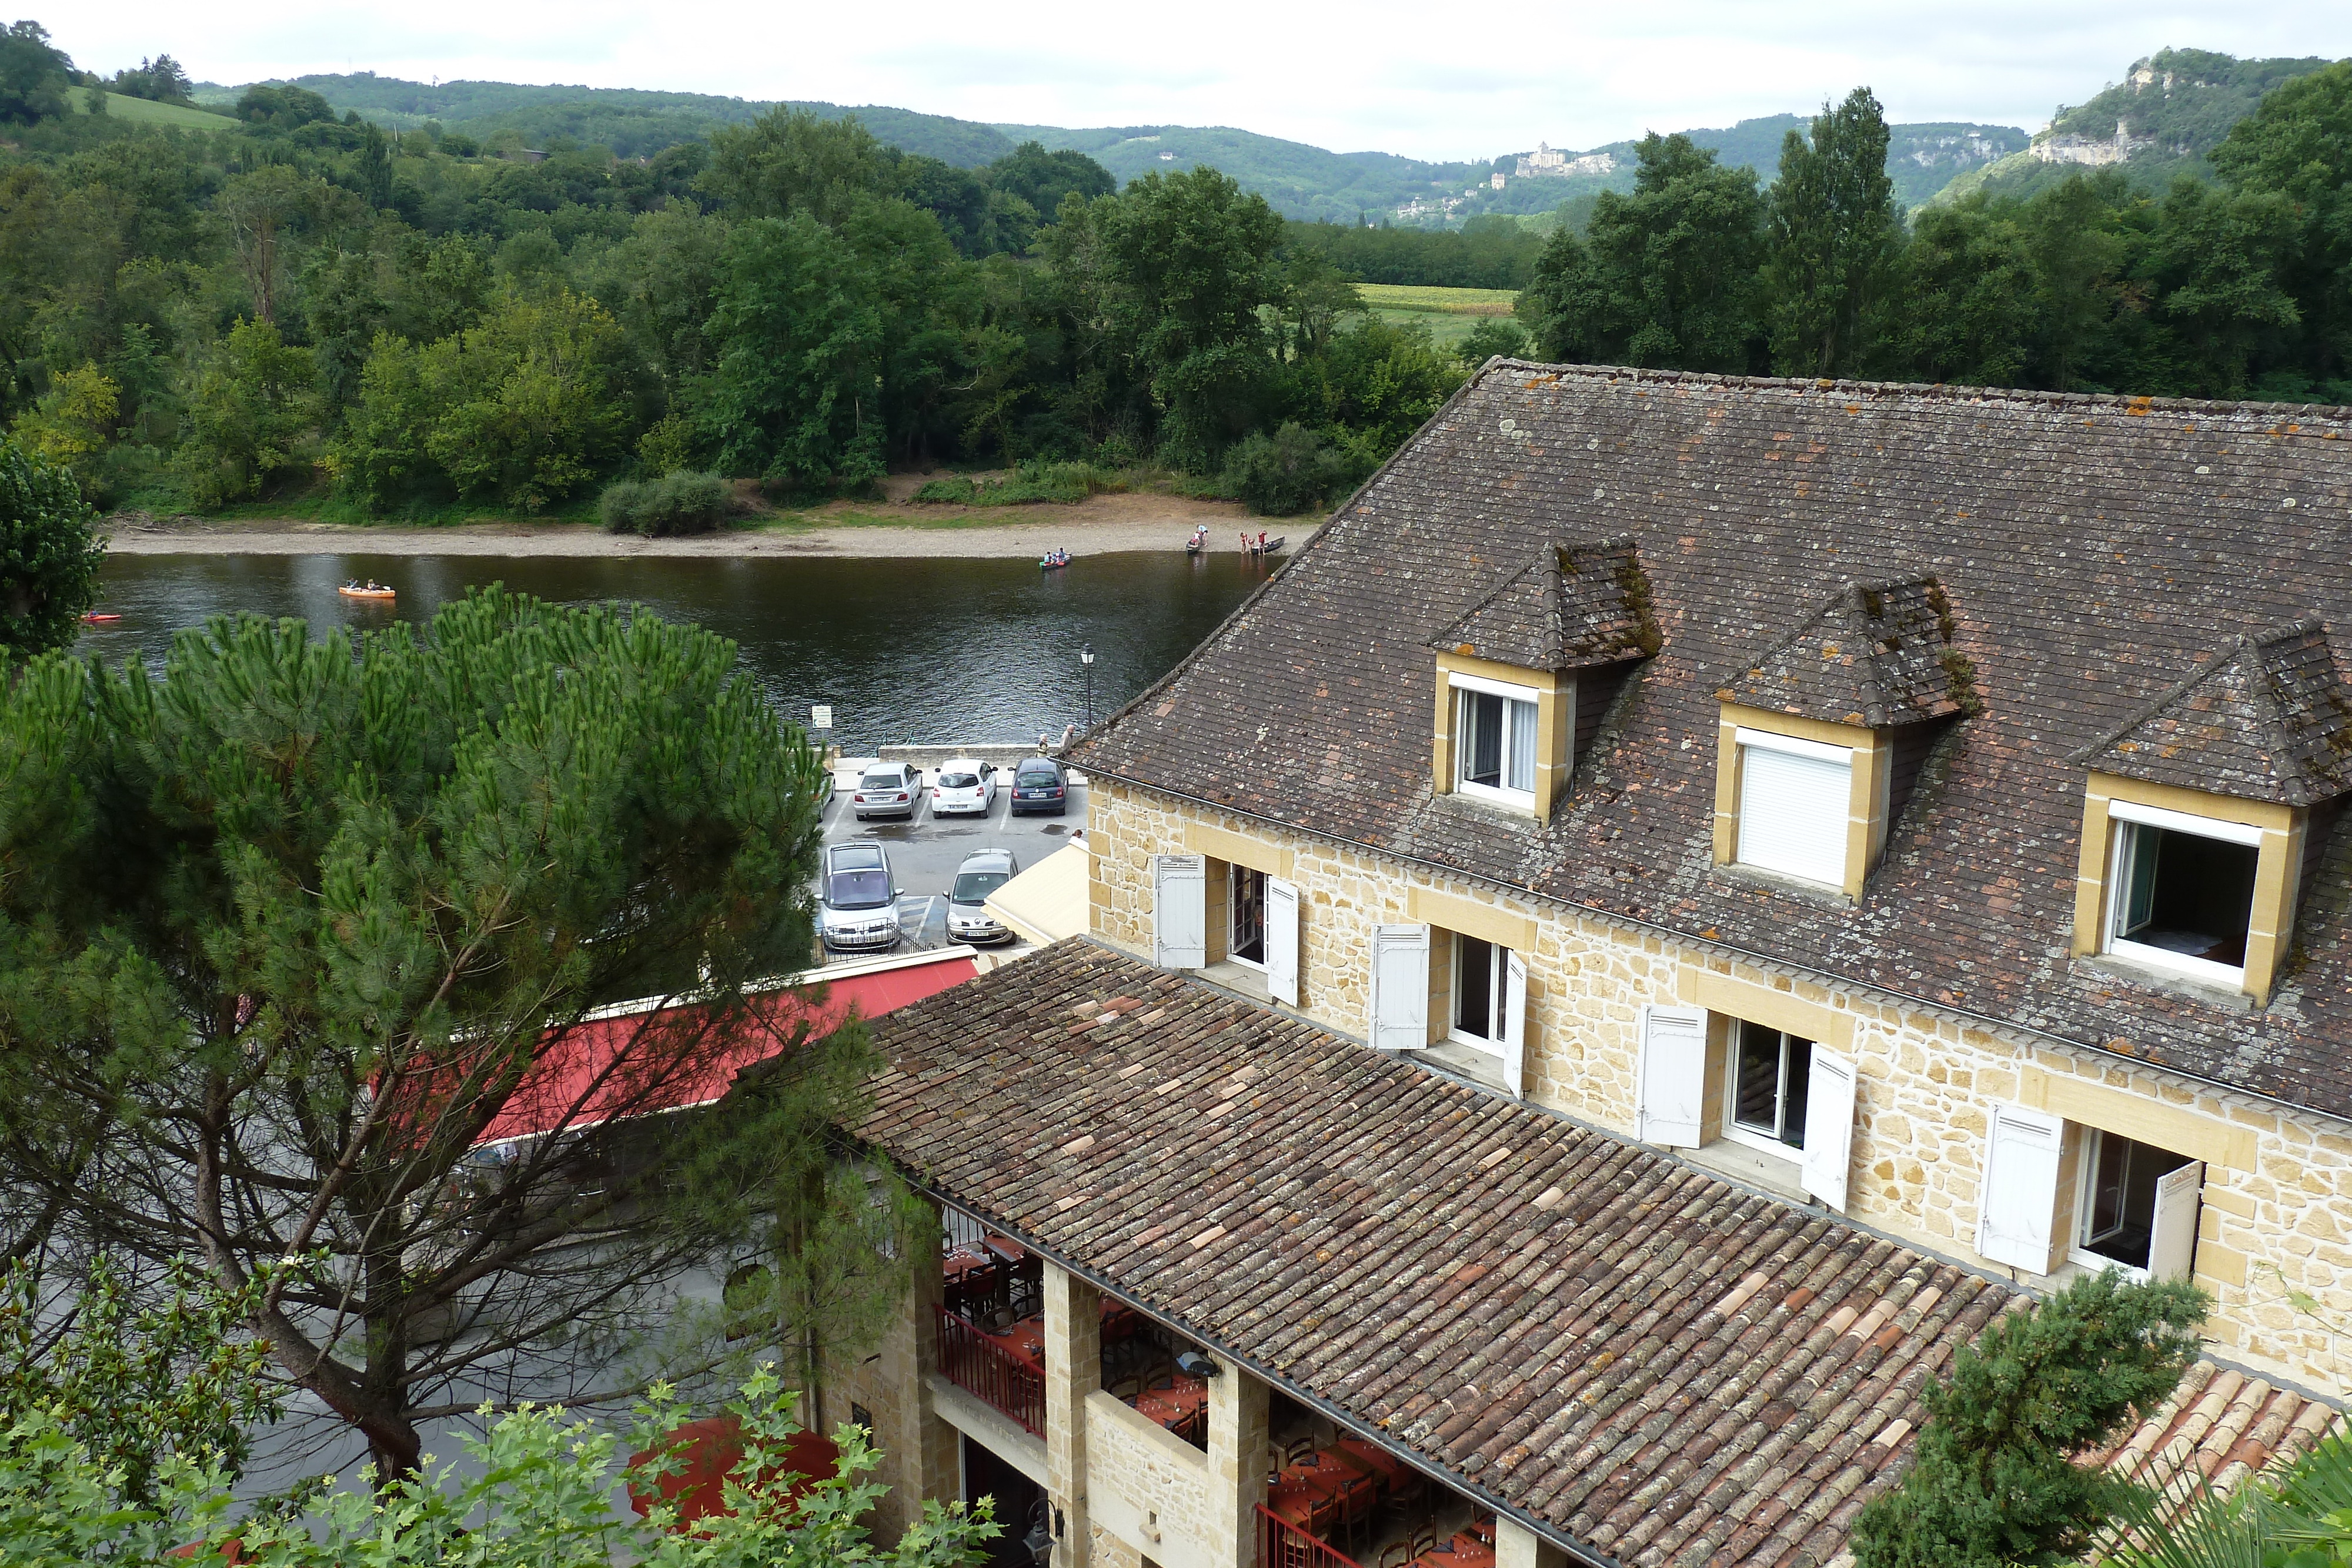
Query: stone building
<point x="1685" y="898"/>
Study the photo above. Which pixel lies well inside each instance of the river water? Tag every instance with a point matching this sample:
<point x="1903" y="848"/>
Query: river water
<point x="937" y="652"/>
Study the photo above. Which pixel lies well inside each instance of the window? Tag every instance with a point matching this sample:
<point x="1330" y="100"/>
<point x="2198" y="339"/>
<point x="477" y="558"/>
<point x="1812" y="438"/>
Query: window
<point x="2130" y="1192"/>
<point x="1770" y="1077"/>
<point x="2182" y="894"/>
<point x="1495" y="736"/>
<point x="1795" y="802"/>
<point x="1245" y="916"/>
<point x="1481" y="988"/>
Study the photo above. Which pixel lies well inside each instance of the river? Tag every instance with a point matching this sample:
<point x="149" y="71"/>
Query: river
<point x="937" y="652"/>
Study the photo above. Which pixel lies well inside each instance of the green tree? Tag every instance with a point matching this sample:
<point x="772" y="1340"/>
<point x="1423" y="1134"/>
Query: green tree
<point x="2217" y="260"/>
<point x="1834" y="237"/>
<point x="161" y="79"/>
<point x="1965" y="291"/>
<point x="35" y="75"/>
<point x="49" y="557"/>
<point x="1665" y="277"/>
<point x="795" y="399"/>
<point x="304" y="923"/>
<point x="73" y="422"/>
<point x="2297" y="144"/>
<point x="1994" y="1482"/>
<point x="250" y="406"/>
<point x="790" y="160"/>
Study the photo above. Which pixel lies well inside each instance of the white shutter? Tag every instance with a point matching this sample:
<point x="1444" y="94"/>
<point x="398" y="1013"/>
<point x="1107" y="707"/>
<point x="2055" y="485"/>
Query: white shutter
<point x="1515" y="1024"/>
<point x="2020" y="1186"/>
<point x="2172" y="1243"/>
<point x="1282" y="940"/>
<point x="1793" y="808"/>
<point x="1829" y="1126"/>
<point x="1670" y="1084"/>
<point x="1400" y="986"/>
<point x="1179" y="911"/>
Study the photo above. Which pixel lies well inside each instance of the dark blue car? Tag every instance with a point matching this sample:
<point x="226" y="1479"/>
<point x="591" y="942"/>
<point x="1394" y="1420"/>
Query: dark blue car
<point x="1039" y="785"/>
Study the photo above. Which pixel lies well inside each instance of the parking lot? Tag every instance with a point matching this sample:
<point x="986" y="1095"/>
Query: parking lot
<point x="926" y="851"/>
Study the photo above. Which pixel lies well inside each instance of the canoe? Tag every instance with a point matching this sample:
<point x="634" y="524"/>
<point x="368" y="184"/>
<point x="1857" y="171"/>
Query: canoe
<point x="1272" y="546"/>
<point x="97" y="619"/>
<point x="365" y="593"/>
<point x="1051" y="564"/>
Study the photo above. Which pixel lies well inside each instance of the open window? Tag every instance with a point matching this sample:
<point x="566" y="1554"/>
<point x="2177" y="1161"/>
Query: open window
<point x="1245" y="916"/>
<point x="1487" y="1004"/>
<point x="1494" y="740"/>
<point x="1716" y="1079"/>
<point x="2180" y="897"/>
<point x="2136" y="1206"/>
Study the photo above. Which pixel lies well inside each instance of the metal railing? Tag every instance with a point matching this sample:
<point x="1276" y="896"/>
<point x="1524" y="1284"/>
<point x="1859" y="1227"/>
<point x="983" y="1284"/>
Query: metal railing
<point x="974" y="1362"/>
<point x="1282" y="1545"/>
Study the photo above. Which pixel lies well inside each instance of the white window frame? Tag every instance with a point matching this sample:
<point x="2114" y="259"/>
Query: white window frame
<point x="2122" y="817"/>
<point x="1499" y="960"/>
<point x="2087" y="1174"/>
<point x="1792" y="745"/>
<point x="1457" y="683"/>
<point x="1748" y="1137"/>
<point x="1234" y="872"/>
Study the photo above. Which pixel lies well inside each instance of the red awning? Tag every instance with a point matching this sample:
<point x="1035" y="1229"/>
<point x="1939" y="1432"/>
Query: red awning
<point x="709" y="1451"/>
<point x="574" y="1086"/>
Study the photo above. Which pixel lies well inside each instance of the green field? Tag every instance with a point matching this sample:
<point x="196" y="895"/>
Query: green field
<point x="145" y="111"/>
<point x="1448" y="313"/>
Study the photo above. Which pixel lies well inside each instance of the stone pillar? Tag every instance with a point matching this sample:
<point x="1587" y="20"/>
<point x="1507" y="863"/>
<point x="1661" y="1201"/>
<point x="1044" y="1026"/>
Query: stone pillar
<point x="1237" y="1456"/>
<point x="919" y="1457"/>
<point x="1517" y="1546"/>
<point x="1073" y="1371"/>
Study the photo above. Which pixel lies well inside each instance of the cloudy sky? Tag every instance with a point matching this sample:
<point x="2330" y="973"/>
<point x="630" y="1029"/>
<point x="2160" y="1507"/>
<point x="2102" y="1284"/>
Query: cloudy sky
<point x="1428" y="80"/>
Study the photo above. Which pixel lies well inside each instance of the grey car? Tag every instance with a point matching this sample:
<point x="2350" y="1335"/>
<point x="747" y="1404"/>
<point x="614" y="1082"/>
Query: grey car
<point x="981" y="873"/>
<point x="887" y="790"/>
<point x="857" y="903"/>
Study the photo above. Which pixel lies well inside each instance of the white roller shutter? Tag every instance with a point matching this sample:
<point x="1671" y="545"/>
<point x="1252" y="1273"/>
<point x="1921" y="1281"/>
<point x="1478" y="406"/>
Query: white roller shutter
<point x="1515" y="1024"/>
<point x="1400" y="986"/>
<point x="1282" y="940"/>
<point x="2173" y="1241"/>
<point x="1829" y="1126"/>
<point x="2020" y="1186"/>
<point x="1794" y="800"/>
<point x="1179" y="911"/>
<point x="1670" y="1084"/>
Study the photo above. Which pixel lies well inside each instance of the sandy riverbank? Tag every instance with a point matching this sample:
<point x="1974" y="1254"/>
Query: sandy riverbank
<point x="1098" y="525"/>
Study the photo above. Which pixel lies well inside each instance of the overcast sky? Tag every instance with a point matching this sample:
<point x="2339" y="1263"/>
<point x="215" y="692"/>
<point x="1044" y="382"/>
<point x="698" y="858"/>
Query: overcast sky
<point x="1449" y="82"/>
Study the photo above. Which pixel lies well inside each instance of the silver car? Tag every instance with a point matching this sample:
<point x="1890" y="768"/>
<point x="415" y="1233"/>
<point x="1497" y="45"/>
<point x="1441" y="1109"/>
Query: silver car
<point x="857" y="905"/>
<point x="981" y="873"/>
<point x="887" y="790"/>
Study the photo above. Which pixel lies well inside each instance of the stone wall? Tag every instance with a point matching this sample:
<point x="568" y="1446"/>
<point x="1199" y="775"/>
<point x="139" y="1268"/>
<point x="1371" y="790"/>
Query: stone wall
<point x="1148" y="1489"/>
<point x="2275" y="1215"/>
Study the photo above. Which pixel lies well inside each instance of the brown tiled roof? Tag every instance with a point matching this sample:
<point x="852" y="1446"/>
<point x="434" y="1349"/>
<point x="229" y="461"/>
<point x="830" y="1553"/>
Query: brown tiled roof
<point x="1631" y="1354"/>
<point x="2267" y="719"/>
<point x="1573" y="606"/>
<point x="1875" y="654"/>
<point x="2093" y="551"/>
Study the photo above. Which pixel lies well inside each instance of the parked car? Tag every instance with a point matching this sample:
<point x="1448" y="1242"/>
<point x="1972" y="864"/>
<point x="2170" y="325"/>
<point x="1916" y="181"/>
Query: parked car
<point x="858" y="903"/>
<point x="1040" y="785"/>
<point x="887" y="790"/>
<point x="963" y="785"/>
<point x="981" y="873"/>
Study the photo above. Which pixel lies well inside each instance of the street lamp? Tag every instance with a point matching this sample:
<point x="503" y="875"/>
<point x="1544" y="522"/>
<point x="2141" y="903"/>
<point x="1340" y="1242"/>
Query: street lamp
<point x="1087" y="658"/>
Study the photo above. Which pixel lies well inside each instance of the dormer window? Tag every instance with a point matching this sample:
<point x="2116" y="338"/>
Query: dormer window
<point x="1795" y="805"/>
<point x="1497" y="730"/>
<point x="2202" y="811"/>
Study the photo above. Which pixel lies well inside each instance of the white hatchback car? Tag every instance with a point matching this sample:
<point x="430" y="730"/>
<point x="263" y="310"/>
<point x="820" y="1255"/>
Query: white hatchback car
<point x="963" y="785"/>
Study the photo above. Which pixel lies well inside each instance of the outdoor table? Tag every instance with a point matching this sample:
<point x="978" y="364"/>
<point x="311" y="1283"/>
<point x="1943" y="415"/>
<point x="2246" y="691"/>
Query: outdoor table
<point x="1175" y="1402"/>
<point x="1301" y="1506"/>
<point x="1025" y="1338"/>
<point x="1006" y="1249"/>
<point x="1353" y="1492"/>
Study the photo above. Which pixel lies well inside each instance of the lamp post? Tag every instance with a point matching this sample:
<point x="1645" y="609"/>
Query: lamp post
<point x="1086" y="659"/>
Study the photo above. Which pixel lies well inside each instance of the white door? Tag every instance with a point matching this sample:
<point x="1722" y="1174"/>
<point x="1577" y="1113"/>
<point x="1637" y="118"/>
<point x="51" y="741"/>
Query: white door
<point x="2172" y="1240"/>
<point x="1400" y="986"/>
<point x="1515" y="1024"/>
<point x="1282" y="940"/>
<point x="1670" y="1084"/>
<point x="1829" y="1126"/>
<point x="2020" y="1186"/>
<point x="1179" y="911"/>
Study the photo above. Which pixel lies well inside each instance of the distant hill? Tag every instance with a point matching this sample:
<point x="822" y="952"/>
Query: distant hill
<point x="1300" y="180"/>
<point x="2169" y="110"/>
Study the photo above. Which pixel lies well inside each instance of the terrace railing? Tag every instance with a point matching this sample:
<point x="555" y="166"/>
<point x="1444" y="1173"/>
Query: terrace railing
<point x="976" y="1363"/>
<point x="1282" y="1545"/>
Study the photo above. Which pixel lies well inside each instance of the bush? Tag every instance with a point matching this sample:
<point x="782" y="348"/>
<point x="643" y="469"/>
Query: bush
<point x="1496" y="335"/>
<point x="682" y="503"/>
<point x="1031" y="484"/>
<point x="1284" y="474"/>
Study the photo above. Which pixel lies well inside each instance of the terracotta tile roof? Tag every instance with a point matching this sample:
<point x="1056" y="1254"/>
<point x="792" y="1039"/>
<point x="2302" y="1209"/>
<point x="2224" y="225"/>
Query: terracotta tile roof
<point x="1875" y="654"/>
<point x="1573" y="606"/>
<point x="2221" y="1424"/>
<point x="2267" y="719"/>
<point x="2093" y="551"/>
<point x="1634" y="1355"/>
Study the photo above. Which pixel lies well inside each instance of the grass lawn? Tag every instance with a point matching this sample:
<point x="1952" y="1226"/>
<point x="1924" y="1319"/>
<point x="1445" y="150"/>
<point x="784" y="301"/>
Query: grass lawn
<point x="146" y="111"/>
<point x="1448" y="313"/>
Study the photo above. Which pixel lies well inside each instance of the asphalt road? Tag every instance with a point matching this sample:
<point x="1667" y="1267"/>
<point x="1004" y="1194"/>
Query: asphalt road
<point x="925" y="852"/>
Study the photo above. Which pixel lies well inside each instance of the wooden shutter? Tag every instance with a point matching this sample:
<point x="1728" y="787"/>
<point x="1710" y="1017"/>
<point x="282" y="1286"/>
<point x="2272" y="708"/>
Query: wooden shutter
<point x="1282" y="940"/>
<point x="1794" y="800"/>
<point x="2173" y="1241"/>
<point x="1179" y="911"/>
<point x="1515" y="1024"/>
<point x="2020" y="1186"/>
<point x="1670" y="1085"/>
<point x="1400" y="986"/>
<point x="1829" y="1126"/>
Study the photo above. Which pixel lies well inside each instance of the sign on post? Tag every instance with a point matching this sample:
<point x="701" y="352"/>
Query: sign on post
<point x="821" y="717"/>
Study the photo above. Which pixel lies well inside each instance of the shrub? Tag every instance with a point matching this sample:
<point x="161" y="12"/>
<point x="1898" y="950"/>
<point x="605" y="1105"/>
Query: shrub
<point x="682" y="503"/>
<point x="1031" y="484"/>
<point x="1496" y="335"/>
<point x="1286" y="473"/>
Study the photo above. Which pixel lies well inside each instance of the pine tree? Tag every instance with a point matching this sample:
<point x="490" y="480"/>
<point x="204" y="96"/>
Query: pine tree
<point x="1835" y="235"/>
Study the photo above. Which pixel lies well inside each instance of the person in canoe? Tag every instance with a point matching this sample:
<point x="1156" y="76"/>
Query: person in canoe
<point x="1054" y="557"/>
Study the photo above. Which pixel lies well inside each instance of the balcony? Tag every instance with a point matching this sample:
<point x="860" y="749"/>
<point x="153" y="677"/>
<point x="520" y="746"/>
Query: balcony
<point x="1004" y="1374"/>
